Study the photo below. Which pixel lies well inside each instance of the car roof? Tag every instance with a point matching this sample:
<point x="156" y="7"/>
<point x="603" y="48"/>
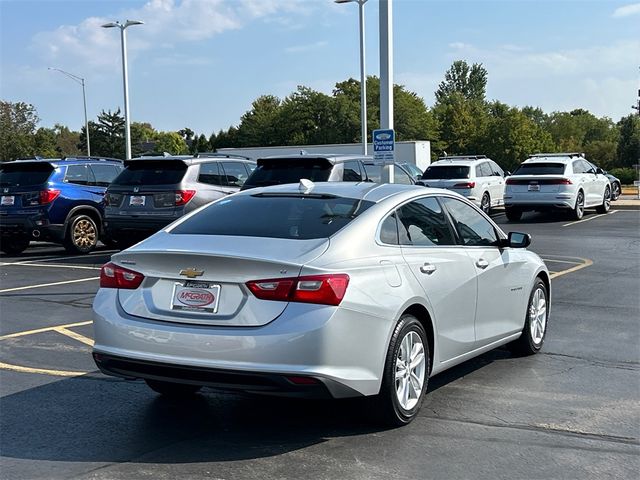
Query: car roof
<point x="331" y="157"/>
<point x="191" y="159"/>
<point x="555" y="157"/>
<point x="458" y="162"/>
<point x="68" y="160"/>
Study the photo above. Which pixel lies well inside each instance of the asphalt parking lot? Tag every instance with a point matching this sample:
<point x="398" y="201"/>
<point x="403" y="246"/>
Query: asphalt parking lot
<point x="571" y="411"/>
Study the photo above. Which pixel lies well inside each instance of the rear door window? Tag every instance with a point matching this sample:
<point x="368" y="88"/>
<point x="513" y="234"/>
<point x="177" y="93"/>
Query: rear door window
<point x="445" y="172"/>
<point x="150" y="172"/>
<point x="279" y="171"/>
<point x="496" y="170"/>
<point x="423" y="223"/>
<point x="473" y="229"/>
<point x="13" y="174"/>
<point x="78" y="175"/>
<point x="401" y="177"/>
<point x="104" y="174"/>
<point x="352" y="171"/>
<point x="235" y="172"/>
<point x="210" y="174"/>
<point x="485" y="170"/>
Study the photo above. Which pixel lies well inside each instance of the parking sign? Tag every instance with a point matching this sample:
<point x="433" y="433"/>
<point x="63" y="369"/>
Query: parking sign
<point x="384" y="145"/>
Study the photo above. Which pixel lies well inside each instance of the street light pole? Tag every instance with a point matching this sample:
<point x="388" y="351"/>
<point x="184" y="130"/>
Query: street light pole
<point x="79" y="80"/>
<point x="125" y="78"/>
<point x="363" y="78"/>
<point x="386" y="75"/>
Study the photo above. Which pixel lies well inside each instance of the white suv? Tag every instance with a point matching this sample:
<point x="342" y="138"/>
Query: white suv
<point x="549" y="181"/>
<point x="477" y="177"/>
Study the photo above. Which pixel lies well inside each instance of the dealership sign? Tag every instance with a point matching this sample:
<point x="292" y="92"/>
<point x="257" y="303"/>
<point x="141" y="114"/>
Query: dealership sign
<point x="384" y="145"/>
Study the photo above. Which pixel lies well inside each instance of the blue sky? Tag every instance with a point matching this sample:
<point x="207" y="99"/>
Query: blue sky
<point x="200" y="63"/>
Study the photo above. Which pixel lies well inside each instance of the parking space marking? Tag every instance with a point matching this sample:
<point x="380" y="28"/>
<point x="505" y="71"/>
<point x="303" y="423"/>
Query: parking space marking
<point x="45" y="329"/>
<point x="74" y="335"/>
<point x="46" y="265"/>
<point x="41" y="371"/>
<point x="585" y="263"/>
<point x="66" y="257"/>
<point x="27" y="287"/>
<point x="590" y="218"/>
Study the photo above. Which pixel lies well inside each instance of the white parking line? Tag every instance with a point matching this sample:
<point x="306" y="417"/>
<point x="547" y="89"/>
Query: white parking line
<point x="590" y="218"/>
<point x="27" y="287"/>
<point x="77" y="267"/>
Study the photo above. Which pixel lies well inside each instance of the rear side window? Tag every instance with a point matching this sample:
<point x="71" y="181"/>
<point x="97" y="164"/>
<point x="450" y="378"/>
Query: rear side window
<point x="104" y="174"/>
<point x="483" y="170"/>
<point x="291" y="216"/>
<point x="352" y="172"/>
<point x="210" y="174"/>
<point x="424" y="223"/>
<point x="445" y="172"/>
<point x="540" y="169"/>
<point x="235" y="172"/>
<point x="389" y="230"/>
<point x="78" y="175"/>
<point x="23" y="174"/>
<point x="150" y="172"/>
<point x="275" y="172"/>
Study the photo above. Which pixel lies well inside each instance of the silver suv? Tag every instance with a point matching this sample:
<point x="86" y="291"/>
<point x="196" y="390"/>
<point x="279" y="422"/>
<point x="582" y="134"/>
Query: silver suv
<point x="152" y="192"/>
<point x="477" y="177"/>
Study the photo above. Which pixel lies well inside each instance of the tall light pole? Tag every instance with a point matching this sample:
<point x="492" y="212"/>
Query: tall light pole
<point x="79" y="80"/>
<point x="363" y="78"/>
<point x="125" y="79"/>
<point x="386" y="75"/>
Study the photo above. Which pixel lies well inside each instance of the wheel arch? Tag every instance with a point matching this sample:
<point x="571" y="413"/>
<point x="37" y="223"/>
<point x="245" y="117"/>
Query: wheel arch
<point x="422" y="314"/>
<point x="88" y="210"/>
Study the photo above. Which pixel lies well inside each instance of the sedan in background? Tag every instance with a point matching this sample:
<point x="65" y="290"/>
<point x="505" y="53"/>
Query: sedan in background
<point x="320" y="290"/>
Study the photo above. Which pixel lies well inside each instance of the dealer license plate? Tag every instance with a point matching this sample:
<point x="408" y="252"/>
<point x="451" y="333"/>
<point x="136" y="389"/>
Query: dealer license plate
<point x="196" y="296"/>
<point x="137" y="200"/>
<point x="7" y="200"/>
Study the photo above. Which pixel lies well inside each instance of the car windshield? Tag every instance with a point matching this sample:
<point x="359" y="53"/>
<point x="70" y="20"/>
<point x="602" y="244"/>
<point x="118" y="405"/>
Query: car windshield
<point x="151" y="172"/>
<point x="23" y="174"/>
<point x="445" y="172"/>
<point x="279" y="171"/>
<point x="275" y="215"/>
<point x="540" y="169"/>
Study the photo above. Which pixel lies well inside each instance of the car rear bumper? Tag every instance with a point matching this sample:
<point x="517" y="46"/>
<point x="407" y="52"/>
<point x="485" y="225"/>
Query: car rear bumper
<point x="540" y="201"/>
<point x="136" y="227"/>
<point x="321" y="342"/>
<point x="35" y="227"/>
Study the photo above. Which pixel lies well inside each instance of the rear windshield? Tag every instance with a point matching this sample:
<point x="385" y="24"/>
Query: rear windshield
<point x="445" y="172"/>
<point x="293" y="216"/>
<point x="540" y="169"/>
<point x="145" y="172"/>
<point x="275" y="172"/>
<point x="21" y="174"/>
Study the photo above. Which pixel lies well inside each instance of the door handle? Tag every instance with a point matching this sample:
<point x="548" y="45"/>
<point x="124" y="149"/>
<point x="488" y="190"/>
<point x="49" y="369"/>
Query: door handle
<point x="428" y="268"/>
<point x="482" y="263"/>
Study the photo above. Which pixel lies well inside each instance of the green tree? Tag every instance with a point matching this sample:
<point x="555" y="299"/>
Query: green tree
<point x="468" y="81"/>
<point x="143" y="137"/>
<point x="171" y="142"/>
<point x="18" y="123"/>
<point x="106" y="135"/>
<point x="463" y="125"/>
<point x="258" y="125"/>
<point x="202" y="145"/>
<point x="44" y="143"/>
<point x="67" y="141"/>
<point x="629" y="144"/>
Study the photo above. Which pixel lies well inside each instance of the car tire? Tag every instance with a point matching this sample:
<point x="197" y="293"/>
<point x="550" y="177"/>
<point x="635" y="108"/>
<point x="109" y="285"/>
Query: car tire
<point x="578" y="210"/>
<point x="171" y="389"/>
<point x="14" y="246"/>
<point x="485" y="203"/>
<point x="535" y="322"/>
<point x="606" y="202"/>
<point x="81" y="235"/>
<point x="513" y="214"/>
<point x="615" y="191"/>
<point x="394" y="405"/>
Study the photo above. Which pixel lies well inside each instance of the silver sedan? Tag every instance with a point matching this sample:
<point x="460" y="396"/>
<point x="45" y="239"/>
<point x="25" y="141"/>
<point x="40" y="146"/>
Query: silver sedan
<point x="328" y="289"/>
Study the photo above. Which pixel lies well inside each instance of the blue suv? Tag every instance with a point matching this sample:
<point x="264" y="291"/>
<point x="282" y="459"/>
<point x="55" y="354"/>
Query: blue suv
<point x="56" y="200"/>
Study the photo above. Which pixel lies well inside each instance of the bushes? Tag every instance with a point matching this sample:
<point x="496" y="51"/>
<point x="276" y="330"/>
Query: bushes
<point x="626" y="175"/>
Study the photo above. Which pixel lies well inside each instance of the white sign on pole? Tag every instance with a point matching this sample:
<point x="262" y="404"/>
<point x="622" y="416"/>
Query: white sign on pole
<point x="384" y="145"/>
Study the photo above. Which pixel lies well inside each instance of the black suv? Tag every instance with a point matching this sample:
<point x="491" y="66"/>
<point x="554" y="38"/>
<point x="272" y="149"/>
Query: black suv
<point x="152" y="192"/>
<point x="57" y="200"/>
<point x="317" y="168"/>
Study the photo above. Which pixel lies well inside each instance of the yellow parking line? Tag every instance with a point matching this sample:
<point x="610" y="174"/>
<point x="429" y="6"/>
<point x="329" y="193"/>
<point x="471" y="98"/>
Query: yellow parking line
<point x="47" y="284"/>
<point x="587" y="263"/>
<point x="41" y="371"/>
<point x="45" y="329"/>
<point x="561" y="261"/>
<point x="74" y="335"/>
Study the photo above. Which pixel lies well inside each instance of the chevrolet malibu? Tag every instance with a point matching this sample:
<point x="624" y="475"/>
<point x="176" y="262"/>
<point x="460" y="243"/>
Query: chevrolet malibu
<point x="320" y="290"/>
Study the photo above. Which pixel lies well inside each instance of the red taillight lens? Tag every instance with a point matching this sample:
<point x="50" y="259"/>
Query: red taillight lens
<point x="321" y="289"/>
<point x="114" y="276"/>
<point x="48" y="196"/>
<point x="184" y="196"/>
<point x="559" y="181"/>
<point x="465" y="185"/>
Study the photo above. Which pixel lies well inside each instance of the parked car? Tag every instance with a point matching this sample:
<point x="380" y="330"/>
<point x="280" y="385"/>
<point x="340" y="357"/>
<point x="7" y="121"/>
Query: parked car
<point x="330" y="290"/>
<point x="476" y="177"/>
<point x="55" y="199"/>
<point x="400" y="174"/>
<point x="556" y="181"/>
<point x="413" y="170"/>
<point x="616" y="186"/>
<point x="283" y="169"/>
<point x="152" y="192"/>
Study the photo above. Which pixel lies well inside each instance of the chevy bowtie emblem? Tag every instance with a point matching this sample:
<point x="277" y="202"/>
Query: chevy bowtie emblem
<point x="136" y="189"/>
<point x="191" y="273"/>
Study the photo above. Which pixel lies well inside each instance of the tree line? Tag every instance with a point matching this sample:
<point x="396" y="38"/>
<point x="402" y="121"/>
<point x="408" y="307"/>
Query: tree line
<point x="462" y="121"/>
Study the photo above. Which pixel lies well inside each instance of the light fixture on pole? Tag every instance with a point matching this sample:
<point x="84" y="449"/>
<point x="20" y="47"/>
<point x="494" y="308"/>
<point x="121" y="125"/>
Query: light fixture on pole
<point x="125" y="80"/>
<point x="79" y="80"/>
<point x="363" y="78"/>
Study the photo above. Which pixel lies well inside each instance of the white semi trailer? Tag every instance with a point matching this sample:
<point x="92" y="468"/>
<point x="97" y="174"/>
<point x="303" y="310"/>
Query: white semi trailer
<point x="418" y="152"/>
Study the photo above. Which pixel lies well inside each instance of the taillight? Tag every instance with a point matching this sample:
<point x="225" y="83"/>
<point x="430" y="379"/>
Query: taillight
<point x="48" y="196"/>
<point x="559" y="181"/>
<point x="465" y="185"/>
<point x="322" y="289"/>
<point x="114" y="276"/>
<point x="184" y="196"/>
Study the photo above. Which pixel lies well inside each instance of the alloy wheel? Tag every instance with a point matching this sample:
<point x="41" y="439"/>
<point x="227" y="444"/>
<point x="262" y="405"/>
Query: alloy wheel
<point x="410" y="370"/>
<point x="84" y="234"/>
<point x="538" y="315"/>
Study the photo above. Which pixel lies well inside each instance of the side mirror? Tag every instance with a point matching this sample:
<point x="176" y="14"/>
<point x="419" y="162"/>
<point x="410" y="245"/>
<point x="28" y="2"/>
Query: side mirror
<point x="519" y="240"/>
